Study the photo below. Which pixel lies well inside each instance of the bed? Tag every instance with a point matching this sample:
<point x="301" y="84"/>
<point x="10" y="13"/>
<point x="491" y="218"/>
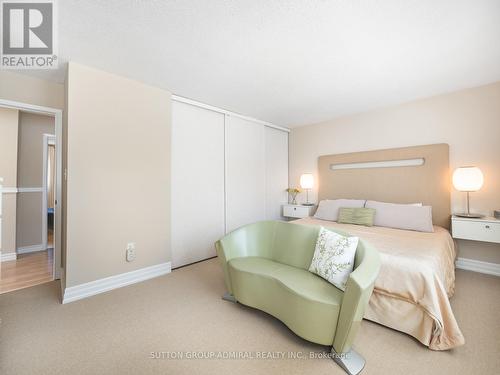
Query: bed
<point x="417" y="276"/>
<point x="416" y="279"/>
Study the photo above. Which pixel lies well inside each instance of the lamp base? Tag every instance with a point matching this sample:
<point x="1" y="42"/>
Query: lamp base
<point x="470" y="216"/>
<point x="307" y="204"/>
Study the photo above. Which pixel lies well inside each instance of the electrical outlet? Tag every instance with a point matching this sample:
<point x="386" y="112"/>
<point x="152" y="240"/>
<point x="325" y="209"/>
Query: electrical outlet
<point x="130" y="251"/>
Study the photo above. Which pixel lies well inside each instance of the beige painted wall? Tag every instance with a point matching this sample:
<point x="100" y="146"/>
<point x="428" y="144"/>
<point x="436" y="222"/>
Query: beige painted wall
<point x="29" y="219"/>
<point x="8" y="171"/>
<point x="9" y="223"/>
<point x="8" y="146"/>
<point x="118" y="174"/>
<point x="30" y="90"/>
<point x="32" y="127"/>
<point x="468" y="120"/>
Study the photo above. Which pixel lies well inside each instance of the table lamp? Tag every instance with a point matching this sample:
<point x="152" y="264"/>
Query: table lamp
<point x="468" y="179"/>
<point x="307" y="183"/>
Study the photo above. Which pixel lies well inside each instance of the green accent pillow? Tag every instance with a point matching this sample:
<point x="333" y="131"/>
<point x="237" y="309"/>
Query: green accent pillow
<point x="333" y="258"/>
<point x="358" y="216"/>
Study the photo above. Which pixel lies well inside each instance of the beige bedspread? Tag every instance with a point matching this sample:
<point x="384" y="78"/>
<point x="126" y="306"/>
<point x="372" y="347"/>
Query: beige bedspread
<point x="416" y="278"/>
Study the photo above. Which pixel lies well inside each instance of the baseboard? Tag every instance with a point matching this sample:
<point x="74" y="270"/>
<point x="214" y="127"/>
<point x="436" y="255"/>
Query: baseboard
<point x="31" y="249"/>
<point x="85" y="290"/>
<point x="478" y="266"/>
<point x="5" y="257"/>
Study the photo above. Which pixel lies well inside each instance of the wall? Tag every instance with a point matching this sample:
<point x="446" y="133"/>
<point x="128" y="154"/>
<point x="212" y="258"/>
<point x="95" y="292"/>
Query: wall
<point x="118" y="160"/>
<point x="468" y="120"/>
<point x="30" y="90"/>
<point x="32" y="127"/>
<point x="8" y="146"/>
<point x="8" y="171"/>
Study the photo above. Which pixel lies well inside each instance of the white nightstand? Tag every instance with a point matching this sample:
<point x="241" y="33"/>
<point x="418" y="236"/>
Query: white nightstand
<point x="486" y="229"/>
<point x="297" y="211"/>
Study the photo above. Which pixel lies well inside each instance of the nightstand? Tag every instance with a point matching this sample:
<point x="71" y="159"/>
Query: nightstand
<point x="486" y="229"/>
<point x="297" y="211"/>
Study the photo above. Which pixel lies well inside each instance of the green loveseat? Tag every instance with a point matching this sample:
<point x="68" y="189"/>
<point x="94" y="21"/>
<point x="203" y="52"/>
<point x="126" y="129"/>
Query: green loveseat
<point x="266" y="267"/>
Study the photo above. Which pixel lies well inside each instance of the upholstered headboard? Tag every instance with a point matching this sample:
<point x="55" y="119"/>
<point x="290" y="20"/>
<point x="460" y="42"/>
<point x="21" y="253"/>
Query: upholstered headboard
<point x="399" y="175"/>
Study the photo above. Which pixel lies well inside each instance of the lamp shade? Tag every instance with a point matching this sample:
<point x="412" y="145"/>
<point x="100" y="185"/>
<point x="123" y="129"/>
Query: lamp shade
<point x="306" y="181"/>
<point x="468" y="179"/>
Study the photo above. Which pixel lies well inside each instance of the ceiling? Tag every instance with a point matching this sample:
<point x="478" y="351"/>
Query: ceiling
<point x="290" y="62"/>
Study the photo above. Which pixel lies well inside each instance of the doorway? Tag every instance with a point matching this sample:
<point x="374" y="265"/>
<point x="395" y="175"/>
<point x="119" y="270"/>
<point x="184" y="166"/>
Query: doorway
<point x="30" y="213"/>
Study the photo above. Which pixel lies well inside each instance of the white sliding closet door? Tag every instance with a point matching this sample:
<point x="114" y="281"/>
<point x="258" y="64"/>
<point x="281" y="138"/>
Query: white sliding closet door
<point x="245" y="172"/>
<point x="276" y="171"/>
<point x="197" y="182"/>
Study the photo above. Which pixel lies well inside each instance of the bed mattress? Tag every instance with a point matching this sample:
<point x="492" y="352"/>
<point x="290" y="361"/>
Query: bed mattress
<point x="416" y="279"/>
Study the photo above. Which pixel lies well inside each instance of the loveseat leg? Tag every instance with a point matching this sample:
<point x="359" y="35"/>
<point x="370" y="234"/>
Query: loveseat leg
<point x="351" y="361"/>
<point x="228" y="297"/>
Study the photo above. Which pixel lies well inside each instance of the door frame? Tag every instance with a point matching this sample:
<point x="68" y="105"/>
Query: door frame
<point x="48" y="139"/>
<point x="57" y="115"/>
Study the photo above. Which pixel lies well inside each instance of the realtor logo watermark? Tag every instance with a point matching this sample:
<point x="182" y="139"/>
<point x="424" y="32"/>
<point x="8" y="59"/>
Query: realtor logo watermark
<point x="29" y="38"/>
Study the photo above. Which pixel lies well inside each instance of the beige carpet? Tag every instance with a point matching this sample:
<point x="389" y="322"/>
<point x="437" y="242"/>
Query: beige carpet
<point x="115" y="332"/>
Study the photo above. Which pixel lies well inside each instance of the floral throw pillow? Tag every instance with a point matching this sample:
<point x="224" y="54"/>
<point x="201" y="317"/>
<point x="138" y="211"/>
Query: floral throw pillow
<point x="333" y="258"/>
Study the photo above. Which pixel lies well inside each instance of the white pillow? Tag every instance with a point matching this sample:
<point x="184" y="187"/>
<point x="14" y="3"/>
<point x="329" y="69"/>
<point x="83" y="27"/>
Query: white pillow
<point x="333" y="258"/>
<point x="402" y="216"/>
<point x="329" y="209"/>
